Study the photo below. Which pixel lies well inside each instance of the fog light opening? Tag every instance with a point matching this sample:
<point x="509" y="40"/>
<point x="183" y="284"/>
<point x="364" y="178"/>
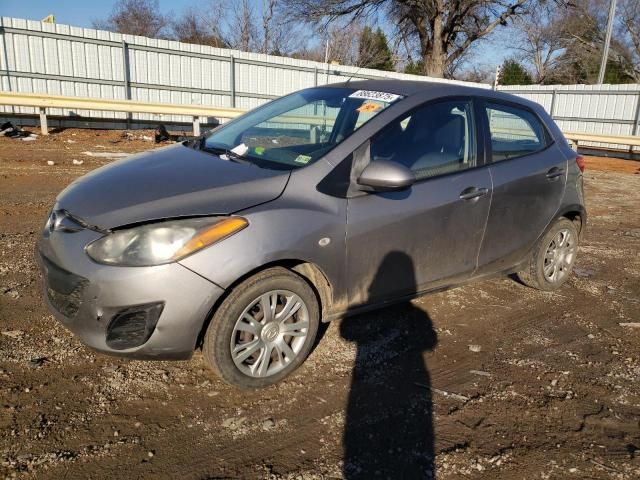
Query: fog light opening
<point x="133" y="326"/>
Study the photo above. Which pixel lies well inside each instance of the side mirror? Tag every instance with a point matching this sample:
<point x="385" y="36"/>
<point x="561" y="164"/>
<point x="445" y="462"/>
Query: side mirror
<point x="385" y="175"/>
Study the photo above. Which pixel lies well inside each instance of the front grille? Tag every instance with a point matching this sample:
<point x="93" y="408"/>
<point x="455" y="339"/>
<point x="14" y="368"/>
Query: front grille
<point x="64" y="289"/>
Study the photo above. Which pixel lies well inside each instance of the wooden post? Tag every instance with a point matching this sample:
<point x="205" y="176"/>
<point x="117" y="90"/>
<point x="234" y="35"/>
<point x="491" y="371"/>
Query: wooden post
<point x="43" y="121"/>
<point x="196" y="126"/>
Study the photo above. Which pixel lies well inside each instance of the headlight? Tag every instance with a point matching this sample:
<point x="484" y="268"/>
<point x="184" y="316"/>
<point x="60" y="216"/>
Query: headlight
<point x="162" y="242"/>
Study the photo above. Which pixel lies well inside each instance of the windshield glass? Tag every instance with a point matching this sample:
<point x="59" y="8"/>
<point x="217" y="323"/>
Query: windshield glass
<point x="296" y="130"/>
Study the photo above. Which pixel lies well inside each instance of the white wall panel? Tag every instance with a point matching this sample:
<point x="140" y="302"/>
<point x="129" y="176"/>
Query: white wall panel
<point x="166" y="71"/>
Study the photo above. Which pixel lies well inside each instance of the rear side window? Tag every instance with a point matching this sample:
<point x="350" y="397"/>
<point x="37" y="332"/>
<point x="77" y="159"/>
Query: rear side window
<point x="514" y="132"/>
<point x="432" y="140"/>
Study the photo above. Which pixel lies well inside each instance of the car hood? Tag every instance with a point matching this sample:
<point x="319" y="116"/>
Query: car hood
<point x="170" y="182"/>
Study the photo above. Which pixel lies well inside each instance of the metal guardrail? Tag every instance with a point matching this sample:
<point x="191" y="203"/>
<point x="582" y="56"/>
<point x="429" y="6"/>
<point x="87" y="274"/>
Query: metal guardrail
<point x="42" y="102"/>
<point x="628" y="140"/>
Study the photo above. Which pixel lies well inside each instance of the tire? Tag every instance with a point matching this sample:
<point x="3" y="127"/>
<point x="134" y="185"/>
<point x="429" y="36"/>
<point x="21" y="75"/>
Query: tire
<point x="240" y="325"/>
<point x="553" y="257"/>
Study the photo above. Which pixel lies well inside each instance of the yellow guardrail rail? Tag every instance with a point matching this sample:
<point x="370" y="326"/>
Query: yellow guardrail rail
<point x="42" y="102"/>
<point x="577" y="137"/>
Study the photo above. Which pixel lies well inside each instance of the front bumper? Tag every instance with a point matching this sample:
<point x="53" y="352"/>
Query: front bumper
<point x="86" y="297"/>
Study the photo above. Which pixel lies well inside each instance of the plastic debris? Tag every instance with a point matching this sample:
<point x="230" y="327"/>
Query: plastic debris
<point x="110" y="155"/>
<point x="161" y="134"/>
<point x="8" y="129"/>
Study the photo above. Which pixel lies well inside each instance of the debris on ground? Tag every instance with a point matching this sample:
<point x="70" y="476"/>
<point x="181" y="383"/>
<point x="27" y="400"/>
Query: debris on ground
<point x="564" y="391"/>
<point x="8" y="129"/>
<point x="109" y="155"/>
<point x="480" y="372"/>
<point x="12" y="333"/>
<point x="162" y="135"/>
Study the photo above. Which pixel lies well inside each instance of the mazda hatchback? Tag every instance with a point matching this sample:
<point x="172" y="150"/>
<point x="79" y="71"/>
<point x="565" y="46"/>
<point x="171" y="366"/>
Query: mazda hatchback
<point x="242" y="241"/>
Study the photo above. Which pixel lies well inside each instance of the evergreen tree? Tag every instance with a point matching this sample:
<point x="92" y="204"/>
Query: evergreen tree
<point x="513" y="73"/>
<point x="414" y="68"/>
<point x="374" y="51"/>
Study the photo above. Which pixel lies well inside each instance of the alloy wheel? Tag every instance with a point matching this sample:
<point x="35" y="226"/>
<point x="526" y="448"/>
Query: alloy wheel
<point x="559" y="256"/>
<point x="270" y="333"/>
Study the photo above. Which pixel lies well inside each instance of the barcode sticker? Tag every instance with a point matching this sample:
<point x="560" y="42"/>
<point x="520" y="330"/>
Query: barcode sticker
<point x="374" y="95"/>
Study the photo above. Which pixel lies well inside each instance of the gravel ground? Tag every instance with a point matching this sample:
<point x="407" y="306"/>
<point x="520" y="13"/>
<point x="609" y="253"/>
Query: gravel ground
<point x="493" y="379"/>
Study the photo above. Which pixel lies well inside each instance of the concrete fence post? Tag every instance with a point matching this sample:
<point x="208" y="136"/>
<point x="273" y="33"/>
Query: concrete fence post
<point x="196" y="126"/>
<point x="43" y="121"/>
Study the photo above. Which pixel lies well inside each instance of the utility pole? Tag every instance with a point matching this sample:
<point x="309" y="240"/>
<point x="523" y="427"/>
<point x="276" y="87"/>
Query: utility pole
<point x="607" y="41"/>
<point x="496" y="81"/>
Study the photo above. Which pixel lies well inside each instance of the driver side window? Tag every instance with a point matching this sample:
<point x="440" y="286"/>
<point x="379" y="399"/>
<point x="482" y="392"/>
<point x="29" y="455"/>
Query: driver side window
<point x="434" y="139"/>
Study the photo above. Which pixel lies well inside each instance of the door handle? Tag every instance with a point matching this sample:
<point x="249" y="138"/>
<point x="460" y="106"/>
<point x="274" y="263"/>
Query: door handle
<point x="555" y="172"/>
<point x="473" y="192"/>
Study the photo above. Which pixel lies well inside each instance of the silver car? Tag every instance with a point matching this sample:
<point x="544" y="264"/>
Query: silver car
<point x="242" y="241"/>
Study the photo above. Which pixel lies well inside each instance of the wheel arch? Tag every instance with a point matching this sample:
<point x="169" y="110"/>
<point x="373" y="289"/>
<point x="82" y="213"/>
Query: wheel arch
<point x="310" y="272"/>
<point x="578" y="215"/>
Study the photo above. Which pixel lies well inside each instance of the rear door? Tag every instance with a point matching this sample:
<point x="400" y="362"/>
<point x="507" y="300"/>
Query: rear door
<point x="529" y="173"/>
<point x="402" y="242"/>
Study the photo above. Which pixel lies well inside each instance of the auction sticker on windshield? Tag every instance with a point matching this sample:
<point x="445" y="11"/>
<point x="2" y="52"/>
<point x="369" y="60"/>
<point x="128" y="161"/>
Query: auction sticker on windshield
<point x="374" y="95"/>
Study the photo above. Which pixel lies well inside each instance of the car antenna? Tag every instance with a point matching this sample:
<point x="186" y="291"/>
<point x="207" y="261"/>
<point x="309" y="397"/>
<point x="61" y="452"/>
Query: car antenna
<point x="354" y="74"/>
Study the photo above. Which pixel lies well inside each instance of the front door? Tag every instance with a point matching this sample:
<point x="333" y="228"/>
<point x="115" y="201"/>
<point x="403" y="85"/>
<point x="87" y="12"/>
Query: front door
<point x="403" y="242"/>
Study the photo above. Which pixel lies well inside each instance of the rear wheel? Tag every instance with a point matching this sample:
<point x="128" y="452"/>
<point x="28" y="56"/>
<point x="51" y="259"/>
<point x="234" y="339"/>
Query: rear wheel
<point x="263" y="330"/>
<point x="553" y="257"/>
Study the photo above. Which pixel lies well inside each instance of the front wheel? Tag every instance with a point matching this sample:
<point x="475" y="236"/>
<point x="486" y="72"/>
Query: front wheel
<point x="263" y="330"/>
<point x="553" y="257"/>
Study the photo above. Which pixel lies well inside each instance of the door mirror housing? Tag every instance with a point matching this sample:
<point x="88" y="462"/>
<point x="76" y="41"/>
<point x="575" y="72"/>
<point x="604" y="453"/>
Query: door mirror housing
<point x="384" y="176"/>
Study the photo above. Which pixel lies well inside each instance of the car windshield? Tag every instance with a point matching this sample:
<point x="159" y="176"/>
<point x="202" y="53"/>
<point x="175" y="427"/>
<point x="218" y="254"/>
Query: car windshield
<point x="296" y="130"/>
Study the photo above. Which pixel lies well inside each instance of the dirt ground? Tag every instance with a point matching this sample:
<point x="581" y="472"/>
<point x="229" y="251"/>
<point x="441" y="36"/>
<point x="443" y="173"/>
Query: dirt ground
<point x="495" y="379"/>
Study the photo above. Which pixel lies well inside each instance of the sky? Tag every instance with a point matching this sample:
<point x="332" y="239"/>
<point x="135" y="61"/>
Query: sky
<point x="81" y="13"/>
<point x="75" y="12"/>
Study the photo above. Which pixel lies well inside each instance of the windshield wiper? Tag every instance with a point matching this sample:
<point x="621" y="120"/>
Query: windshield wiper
<point x="229" y="154"/>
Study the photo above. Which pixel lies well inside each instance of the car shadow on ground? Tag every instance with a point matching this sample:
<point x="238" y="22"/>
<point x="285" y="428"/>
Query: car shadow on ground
<point x="389" y="431"/>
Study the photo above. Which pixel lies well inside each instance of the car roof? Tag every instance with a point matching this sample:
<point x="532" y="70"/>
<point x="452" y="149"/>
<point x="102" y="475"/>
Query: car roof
<point x="408" y="88"/>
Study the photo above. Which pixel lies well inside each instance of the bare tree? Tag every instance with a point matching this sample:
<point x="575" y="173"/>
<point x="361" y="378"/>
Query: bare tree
<point x="584" y="30"/>
<point x="444" y="29"/>
<point x="477" y="74"/>
<point x="629" y="30"/>
<point x="541" y="39"/>
<point x="202" y="26"/>
<point x="243" y="32"/>
<point x="136" y="17"/>
<point x="268" y="7"/>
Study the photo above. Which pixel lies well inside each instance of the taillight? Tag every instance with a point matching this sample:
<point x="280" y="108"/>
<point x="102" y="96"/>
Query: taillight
<point x="580" y="162"/>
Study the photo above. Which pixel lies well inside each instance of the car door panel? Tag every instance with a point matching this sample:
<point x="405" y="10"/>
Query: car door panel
<point x="439" y="232"/>
<point x="527" y="193"/>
